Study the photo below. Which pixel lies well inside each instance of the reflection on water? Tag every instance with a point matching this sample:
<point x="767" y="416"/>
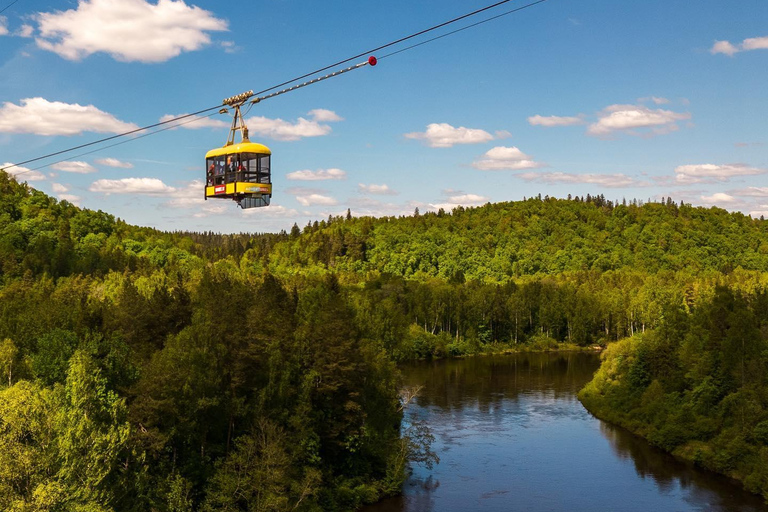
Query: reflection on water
<point x="512" y="435"/>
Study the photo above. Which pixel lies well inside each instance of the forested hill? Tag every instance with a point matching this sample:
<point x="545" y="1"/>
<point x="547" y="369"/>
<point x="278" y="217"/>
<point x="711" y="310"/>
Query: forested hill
<point x="494" y="243"/>
<point x="146" y="370"/>
<point x="502" y="241"/>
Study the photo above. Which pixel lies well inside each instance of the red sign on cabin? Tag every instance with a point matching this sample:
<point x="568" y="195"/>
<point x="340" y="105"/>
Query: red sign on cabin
<point x="219" y="189"/>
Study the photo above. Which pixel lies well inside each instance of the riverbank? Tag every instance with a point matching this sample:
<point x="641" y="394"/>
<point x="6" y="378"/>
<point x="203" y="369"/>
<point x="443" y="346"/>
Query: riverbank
<point x="695" y="424"/>
<point x="507" y="427"/>
<point x="700" y="454"/>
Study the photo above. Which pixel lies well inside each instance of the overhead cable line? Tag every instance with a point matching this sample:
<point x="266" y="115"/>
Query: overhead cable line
<point x="462" y="29"/>
<point x="193" y="120"/>
<point x="8" y="6"/>
<point x="250" y="94"/>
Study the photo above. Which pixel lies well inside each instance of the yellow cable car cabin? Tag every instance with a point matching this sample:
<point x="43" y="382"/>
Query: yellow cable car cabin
<point x="240" y="172"/>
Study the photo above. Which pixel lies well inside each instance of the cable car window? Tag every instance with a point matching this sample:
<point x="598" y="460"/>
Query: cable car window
<point x="264" y="176"/>
<point x="210" y="168"/>
<point x="231" y="168"/>
<point x="218" y="174"/>
<point x="250" y="167"/>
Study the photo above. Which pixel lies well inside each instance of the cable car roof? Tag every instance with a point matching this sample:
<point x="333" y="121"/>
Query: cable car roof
<point x="243" y="147"/>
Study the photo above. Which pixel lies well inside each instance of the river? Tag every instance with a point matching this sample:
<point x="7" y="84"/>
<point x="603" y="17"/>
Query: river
<point x="511" y="435"/>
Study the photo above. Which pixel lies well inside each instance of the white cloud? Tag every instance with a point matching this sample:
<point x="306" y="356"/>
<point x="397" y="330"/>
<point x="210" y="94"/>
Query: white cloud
<point x="630" y="118"/>
<point x="322" y="115"/>
<point x="74" y="166"/>
<point x="318" y="175"/>
<point x="22" y="173"/>
<point x="727" y="48"/>
<point x="43" y="117"/>
<point x="59" y="188"/>
<point x="719" y="198"/>
<point x="550" y="121"/>
<point x="25" y="31"/>
<point x="278" y="129"/>
<point x="75" y="200"/>
<point x="316" y="199"/>
<point x="140" y="186"/>
<point x="114" y="162"/>
<point x="461" y="200"/>
<point x="188" y="196"/>
<point x="750" y="192"/>
<point x="755" y="43"/>
<point x="211" y="208"/>
<point x="196" y="122"/>
<point x="723" y="47"/>
<point x="443" y="135"/>
<point x="604" y="180"/>
<point x="128" y="30"/>
<point x="655" y="99"/>
<point x="3" y="26"/>
<point x="304" y="191"/>
<point x="382" y="190"/>
<point x="367" y="206"/>
<point x="505" y="158"/>
<point x="707" y="173"/>
<point x="274" y="211"/>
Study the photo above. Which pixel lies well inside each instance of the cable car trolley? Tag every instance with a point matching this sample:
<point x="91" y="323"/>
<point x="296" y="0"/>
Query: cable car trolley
<point x="240" y="172"/>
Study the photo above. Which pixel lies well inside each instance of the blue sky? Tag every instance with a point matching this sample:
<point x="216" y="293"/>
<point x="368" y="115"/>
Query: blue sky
<point x="627" y="99"/>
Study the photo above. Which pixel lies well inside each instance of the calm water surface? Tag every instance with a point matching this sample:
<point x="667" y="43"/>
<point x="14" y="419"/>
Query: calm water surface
<point x="511" y="435"/>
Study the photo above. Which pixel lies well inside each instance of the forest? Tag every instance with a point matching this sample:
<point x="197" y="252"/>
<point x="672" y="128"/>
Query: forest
<point x="148" y="370"/>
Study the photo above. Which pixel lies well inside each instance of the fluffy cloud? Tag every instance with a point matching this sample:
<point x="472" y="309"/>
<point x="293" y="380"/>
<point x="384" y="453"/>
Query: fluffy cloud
<point x="318" y="175"/>
<point x="114" y="162"/>
<point x="275" y="211"/>
<point x="655" y="99"/>
<point x="443" y="135"/>
<point x="128" y="30"/>
<point x="461" y="200"/>
<point x="196" y="122"/>
<point x="43" y="117"/>
<point x="22" y="173"/>
<point x="505" y="158"/>
<point x="322" y="115"/>
<point x="75" y="200"/>
<point x="75" y="167"/>
<point x="719" y="198"/>
<point x="550" y="121"/>
<point x="382" y="190"/>
<point x="750" y="192"/>
<point x="604" y="180"/>
<point x="139" y="186"/>
<point x="630" y="118"/>
<point x="316" y="199"/>
<point x="3" y="26"/>
<point x="59" y="188"/>
<point x="188" y="196"/>
<point x="25" y="31"/>
<point x="278" y="129"/>
<point x="727" y="48"/>
<point x="709" y="173"/>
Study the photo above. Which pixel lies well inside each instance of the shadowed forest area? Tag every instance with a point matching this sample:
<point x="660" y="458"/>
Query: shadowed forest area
<point x="145" y="370"/>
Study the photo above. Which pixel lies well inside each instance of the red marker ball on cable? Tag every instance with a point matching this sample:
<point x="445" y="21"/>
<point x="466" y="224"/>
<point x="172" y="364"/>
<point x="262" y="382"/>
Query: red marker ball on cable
<point x="372" y="60"/>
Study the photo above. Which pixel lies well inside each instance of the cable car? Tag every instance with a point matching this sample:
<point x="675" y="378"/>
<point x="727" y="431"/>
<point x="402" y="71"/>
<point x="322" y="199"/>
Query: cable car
<point x="240" y="172"/>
